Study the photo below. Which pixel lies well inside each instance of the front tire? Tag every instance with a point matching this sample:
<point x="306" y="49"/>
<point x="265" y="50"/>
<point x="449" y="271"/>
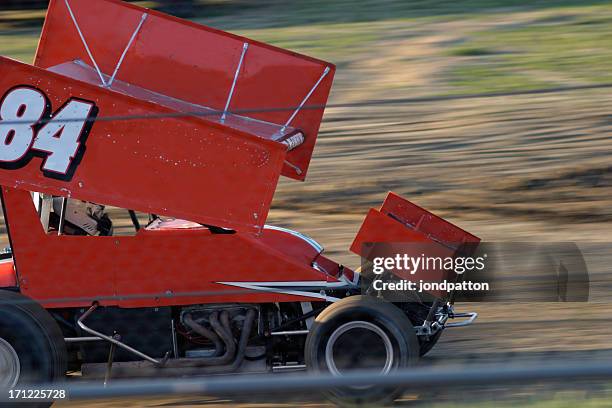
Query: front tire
<point x="32" y="347"/>
<point x="361" y="333"/>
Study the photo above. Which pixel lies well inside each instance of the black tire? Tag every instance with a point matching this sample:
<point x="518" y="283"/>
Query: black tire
<point x="370" y="312"/>
<point x="35" y="338"/>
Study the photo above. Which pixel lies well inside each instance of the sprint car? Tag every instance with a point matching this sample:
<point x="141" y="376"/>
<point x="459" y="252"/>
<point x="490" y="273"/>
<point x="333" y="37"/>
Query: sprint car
<point x="167" y="119"/>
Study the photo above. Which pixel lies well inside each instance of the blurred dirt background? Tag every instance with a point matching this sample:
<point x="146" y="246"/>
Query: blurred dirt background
<point x="497" y="115"/>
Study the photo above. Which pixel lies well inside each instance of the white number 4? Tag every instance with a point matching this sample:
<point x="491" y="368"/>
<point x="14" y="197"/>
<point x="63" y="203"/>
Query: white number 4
<point x="28" y="129"/>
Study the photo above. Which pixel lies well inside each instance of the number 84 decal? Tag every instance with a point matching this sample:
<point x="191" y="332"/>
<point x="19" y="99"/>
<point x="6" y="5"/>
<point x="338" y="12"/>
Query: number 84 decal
<point x="28" y="129"/>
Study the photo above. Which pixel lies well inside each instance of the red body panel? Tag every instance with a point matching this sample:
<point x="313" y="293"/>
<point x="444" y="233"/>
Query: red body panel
<point x="191" y="62"/>
<point x="7" y="274"/>
<point x="153" y="268"/>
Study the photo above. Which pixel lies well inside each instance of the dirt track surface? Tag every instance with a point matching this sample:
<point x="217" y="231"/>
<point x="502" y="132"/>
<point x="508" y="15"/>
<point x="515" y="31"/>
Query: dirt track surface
<point x="523" y="167"/>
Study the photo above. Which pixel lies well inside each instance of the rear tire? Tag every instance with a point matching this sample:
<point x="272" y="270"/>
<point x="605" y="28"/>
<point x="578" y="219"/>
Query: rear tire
<point x="32" y="340"/>
<point x="361" y="332"/>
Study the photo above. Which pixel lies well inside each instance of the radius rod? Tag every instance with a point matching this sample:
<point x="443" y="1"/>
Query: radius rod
<point x="116" y="342"/>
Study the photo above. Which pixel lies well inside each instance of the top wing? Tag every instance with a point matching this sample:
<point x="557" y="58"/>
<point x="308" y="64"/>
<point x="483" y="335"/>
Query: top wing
<point x="194" y="64"/>
<point x="129" y="107"/>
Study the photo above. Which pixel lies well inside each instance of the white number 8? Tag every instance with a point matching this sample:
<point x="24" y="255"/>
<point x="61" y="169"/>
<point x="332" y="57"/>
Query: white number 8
<point x="26" y="127"/>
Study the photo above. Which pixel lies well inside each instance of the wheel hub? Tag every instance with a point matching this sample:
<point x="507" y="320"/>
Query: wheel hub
<point x="9" y="365"/>
<point x="359" y="345"/>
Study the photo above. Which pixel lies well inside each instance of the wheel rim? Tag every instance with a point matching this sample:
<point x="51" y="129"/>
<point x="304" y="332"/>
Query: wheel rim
<point x="359" y="345"/>
<point x="9" y="365"/>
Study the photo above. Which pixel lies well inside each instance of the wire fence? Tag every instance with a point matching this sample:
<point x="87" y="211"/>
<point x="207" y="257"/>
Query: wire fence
<point x="416" y="379"/>
<point x="362" y="104"/>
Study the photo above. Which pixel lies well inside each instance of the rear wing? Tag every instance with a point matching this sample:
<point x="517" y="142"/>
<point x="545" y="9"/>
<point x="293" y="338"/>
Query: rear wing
<point x="130" y="107"/>
<point x="400" y="221"/>
<point x="403" y="228"/>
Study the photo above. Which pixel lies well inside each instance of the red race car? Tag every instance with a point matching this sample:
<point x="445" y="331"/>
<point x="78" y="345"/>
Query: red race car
<point x="132" y="108"/>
